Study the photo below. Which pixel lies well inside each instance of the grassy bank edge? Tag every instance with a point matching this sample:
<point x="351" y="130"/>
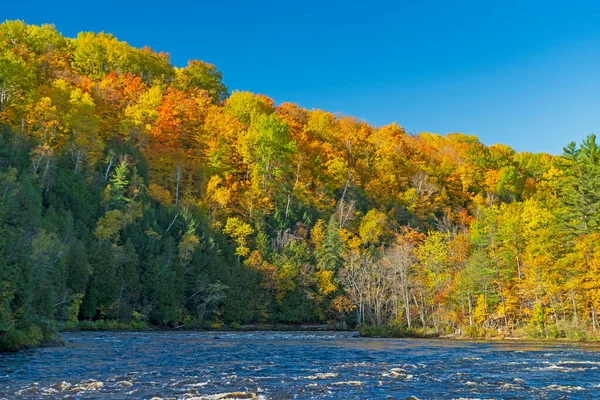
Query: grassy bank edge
<point x="398" y="332"/>
<point x="29" y="337"/>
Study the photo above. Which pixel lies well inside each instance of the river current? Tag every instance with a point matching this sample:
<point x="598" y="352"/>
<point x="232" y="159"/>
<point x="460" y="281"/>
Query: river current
<point x="297" y="365"/>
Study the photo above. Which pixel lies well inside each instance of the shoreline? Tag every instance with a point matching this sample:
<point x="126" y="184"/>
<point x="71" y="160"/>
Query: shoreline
<point x="55" y="340"/>
<point x="328" y="328"/>
<point x="58" y="341"/>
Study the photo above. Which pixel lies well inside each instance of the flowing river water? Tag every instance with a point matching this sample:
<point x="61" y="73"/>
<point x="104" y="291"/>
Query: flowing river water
<point x="297" y="365"/>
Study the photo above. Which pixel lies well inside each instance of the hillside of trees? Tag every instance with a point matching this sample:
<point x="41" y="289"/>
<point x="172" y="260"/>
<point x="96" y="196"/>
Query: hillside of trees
<point x="134" y="191"/>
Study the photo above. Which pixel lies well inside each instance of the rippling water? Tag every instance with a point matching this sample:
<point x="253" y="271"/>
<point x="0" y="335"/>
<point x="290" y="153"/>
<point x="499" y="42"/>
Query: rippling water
<point x="296" y="365"/>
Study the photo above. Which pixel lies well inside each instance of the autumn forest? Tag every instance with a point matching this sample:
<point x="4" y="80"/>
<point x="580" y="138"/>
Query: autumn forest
<point x="135" y="193"/>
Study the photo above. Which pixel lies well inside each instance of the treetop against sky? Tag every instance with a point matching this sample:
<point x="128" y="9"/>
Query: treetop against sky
<point x="520" y="74"/>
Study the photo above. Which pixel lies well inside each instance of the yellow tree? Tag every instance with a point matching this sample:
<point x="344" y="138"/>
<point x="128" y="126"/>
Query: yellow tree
<point x="82" y="124"/>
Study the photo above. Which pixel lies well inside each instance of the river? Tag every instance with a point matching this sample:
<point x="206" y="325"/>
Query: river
<point x="296" y="365"/>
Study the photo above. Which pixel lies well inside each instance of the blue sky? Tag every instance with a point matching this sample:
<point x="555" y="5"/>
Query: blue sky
<point x="527" y="75"/>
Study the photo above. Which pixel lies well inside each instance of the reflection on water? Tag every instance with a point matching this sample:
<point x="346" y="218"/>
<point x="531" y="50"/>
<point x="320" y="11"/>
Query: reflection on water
<point x="296" y="365"/>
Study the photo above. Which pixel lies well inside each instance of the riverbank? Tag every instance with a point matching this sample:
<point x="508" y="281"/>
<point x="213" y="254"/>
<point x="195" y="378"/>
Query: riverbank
<point x="29" y="337"/>
<point x="143" y="327"/>
<point x="523" y="334"/>
<point x="35" y="336"/>
<point x="389" y="331"/>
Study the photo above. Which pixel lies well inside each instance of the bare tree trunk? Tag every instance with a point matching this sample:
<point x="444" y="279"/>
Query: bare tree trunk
<point x="110" y="163"/>
<point x="554" y="312"/>
<point x="575" y="317"/>
<point x="4" y="97"/>
<point x="341" y="206"/>
<point x="407" y="310"/>
<point x="77" y="159"/>
<point x="421" y="312"/>
<point x="177" y="186"/>
<point x="36" y="164"/>
<point x="470" y="309"/>
<point x="48" y="159"/>
<point x="172" y="222"/>
<point x="287" y="207"/>
<point x="349" y="155"/>
<point x="406" y="295"/>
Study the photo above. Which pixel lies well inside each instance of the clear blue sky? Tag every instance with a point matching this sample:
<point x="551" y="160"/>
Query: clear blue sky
<point x="527" y="75"/>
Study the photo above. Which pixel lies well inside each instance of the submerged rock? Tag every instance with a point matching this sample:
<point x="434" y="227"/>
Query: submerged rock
<point x="61" y="386"/>
<point x="398" y="373"/>
<point x="323" y="375"/>
<point x="561" y="388"/>
<point x="88" y="385"/>
<point x="226" y="396"/>
<point x="351" y="383"/>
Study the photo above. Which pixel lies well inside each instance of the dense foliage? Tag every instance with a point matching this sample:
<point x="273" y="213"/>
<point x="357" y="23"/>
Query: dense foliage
<point x="132" y="190"/>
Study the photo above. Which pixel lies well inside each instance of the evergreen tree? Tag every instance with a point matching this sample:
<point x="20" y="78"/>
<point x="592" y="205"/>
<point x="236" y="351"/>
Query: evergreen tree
<point x="117" y="189"/>
<point x="580" y="189"/>
<point x="329" y="254"/>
